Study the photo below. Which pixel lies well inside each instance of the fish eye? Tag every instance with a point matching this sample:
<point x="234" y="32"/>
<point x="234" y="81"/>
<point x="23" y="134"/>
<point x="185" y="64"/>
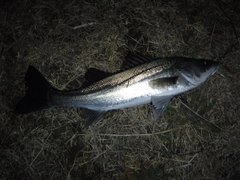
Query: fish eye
<point x="204" y="62"/>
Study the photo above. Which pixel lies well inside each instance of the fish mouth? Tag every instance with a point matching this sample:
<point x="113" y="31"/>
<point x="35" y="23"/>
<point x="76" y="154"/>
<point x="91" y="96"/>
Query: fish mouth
<point x="214" y="72"/>
<point x="215" y="69"/>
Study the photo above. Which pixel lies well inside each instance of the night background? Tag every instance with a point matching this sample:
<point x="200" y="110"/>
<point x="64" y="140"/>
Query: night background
<point x="199" y="139"/>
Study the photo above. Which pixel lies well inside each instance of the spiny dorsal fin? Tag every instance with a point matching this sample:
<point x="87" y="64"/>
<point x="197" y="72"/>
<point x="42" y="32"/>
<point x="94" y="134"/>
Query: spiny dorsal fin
<point x="134" y="59"/>
<point x="93" y="75"/>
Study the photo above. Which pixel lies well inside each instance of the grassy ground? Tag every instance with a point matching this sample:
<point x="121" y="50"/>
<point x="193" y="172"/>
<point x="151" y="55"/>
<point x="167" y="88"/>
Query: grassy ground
<point x="64" y="38"/>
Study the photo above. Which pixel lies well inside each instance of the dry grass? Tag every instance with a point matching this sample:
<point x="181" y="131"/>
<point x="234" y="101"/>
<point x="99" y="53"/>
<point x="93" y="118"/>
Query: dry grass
<point x="64" y="38"/>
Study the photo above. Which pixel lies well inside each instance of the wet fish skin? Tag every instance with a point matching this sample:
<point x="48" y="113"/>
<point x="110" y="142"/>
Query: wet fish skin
<point x="156" y="81"/>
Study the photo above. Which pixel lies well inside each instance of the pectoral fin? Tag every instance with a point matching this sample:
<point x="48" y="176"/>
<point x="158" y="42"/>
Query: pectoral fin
<point x="92" y="116"/>
<point x="160" y="103"/>
<point x="163" y="82"/>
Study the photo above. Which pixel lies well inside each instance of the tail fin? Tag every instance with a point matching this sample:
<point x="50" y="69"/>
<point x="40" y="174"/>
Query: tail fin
<point x="37" y="90"/>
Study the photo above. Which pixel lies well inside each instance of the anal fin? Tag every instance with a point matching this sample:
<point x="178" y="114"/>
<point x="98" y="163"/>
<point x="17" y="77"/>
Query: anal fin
<point x="92" y="116"/>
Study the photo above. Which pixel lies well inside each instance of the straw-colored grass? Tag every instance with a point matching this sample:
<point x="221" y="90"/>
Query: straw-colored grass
<point x="64" y="38"/>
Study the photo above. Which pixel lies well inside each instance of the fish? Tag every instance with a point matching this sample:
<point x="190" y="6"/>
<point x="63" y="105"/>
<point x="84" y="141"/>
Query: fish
<point x="143" y="79"/>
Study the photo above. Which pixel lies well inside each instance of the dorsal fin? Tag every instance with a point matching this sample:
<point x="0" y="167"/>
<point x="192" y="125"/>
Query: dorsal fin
<point x="134" y="59"/>
<point x="93" y="75"/>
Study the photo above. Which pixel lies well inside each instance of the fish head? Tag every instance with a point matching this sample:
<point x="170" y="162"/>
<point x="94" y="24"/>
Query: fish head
<point x="196" y="71"/>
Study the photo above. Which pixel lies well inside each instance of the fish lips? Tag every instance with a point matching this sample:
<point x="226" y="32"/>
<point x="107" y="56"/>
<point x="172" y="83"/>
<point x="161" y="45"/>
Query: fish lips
<point x="215" y="66"/>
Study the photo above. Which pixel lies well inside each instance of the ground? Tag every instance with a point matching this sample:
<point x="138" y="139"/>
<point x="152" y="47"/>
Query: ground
<point x="62" y="39"/>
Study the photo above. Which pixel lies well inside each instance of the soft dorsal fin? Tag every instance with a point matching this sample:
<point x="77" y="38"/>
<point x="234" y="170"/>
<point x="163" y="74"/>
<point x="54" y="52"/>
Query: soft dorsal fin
<point x="134" y="59"/>
<point x="93" y="75"/>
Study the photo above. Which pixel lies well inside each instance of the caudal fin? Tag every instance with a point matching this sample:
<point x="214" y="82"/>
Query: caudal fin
<point x="36" y="96"/>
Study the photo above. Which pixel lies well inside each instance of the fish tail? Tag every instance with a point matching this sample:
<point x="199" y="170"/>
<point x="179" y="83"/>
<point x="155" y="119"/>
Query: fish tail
<point x="37" y="91"/>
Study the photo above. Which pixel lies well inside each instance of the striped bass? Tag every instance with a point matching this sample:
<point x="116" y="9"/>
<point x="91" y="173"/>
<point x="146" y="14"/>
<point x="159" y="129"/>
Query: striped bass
<point x="143" y="79"/>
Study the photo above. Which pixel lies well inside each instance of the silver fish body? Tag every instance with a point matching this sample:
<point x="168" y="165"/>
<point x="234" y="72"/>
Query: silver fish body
<point x="155" y="81"/>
